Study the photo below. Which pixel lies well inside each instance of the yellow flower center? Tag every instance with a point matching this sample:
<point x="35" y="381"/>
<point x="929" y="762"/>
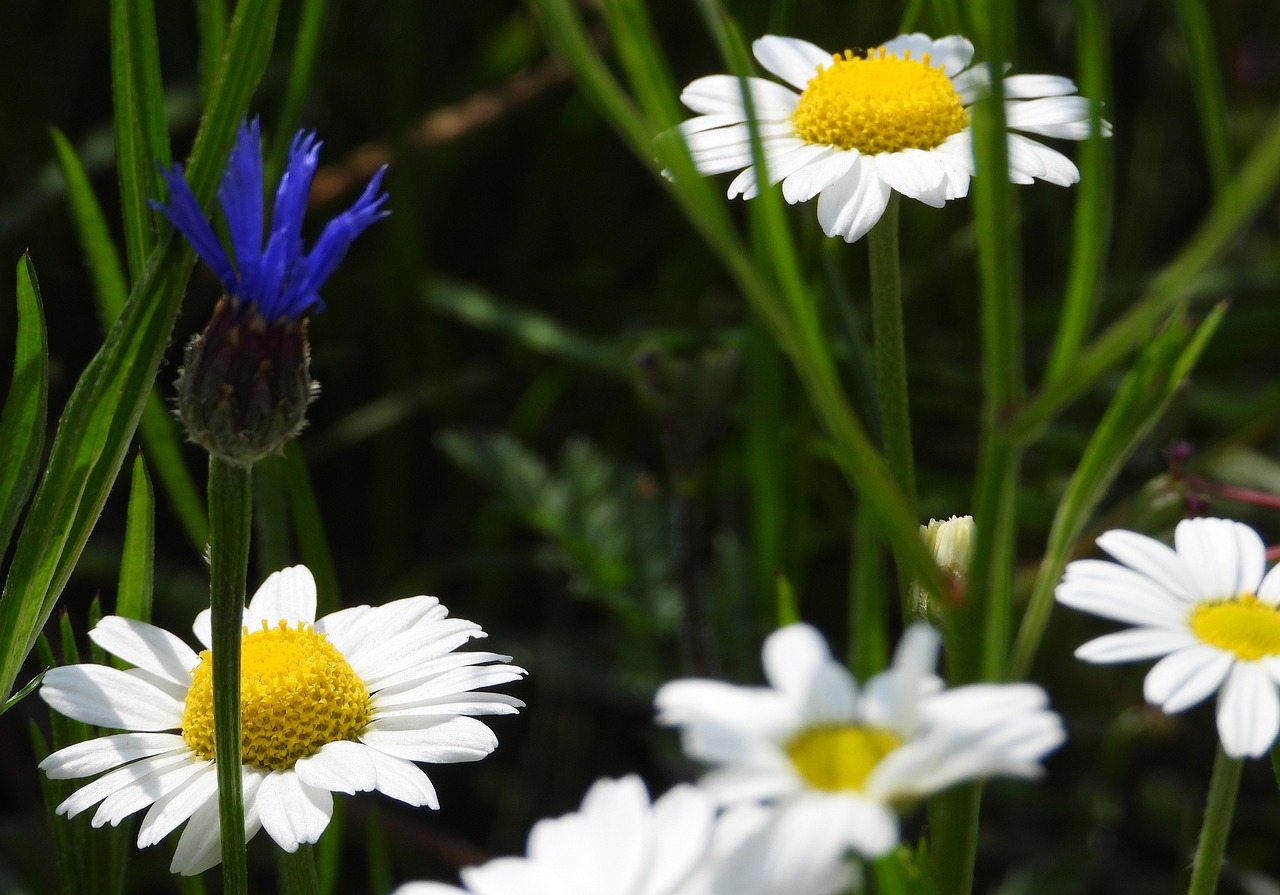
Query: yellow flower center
<point x="297" y="692"/>
<point x="1247" y="627"/>
<point x="839" y="758"/>
<point x="879" y="103"/>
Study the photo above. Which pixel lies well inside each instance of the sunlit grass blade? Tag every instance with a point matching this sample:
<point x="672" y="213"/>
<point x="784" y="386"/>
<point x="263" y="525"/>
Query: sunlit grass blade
<point x="142" y="137"/>
<point x="103" y="410"/>
<point x="159" y="434"/>
<point x="1140" y="402"/>
<point x="137" y="559"/>
<point x="22" y="422"/>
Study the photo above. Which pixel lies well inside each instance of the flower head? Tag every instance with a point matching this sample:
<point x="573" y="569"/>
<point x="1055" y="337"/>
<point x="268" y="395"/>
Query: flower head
<point x="618" y="843"/>
<point x="246" y="382"/>
<point x="896" y="118"/>
<point x="1207" y="609"/>
<point x="277" y="277"/>
<point x="346" y="703"/>
<point x="951" y="543"/>
<point x="830" y="756"/>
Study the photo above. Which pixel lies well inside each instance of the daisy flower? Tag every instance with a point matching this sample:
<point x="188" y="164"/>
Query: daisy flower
<point x="833" y="756"/>
<point x="346" y="703"/>
<point x="618" y="843"/>
<point x="850" y="127"/>
<point x="1207" y="609"/>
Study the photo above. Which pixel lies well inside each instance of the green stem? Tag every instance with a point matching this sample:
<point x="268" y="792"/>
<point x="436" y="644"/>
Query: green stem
<point x="298" y="871"/>
<point x="890" y="349"/>
<point x="230" y="513"/>
<point x="889" y="876"/>
<point x="953" y="845"/>
<point x="1218" y="810"/>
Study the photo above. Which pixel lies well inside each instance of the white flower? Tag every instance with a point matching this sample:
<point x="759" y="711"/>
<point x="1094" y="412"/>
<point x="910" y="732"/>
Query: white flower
<point x="1205" y="609"/>
<point x="346" y="703"/>
<point x="836" y="758"/>
<point x="860" y="126"/>
<point x="617" y="843"/>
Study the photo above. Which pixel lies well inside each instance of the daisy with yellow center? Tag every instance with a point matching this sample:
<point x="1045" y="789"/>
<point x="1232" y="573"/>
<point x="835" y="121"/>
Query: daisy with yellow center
<point x="1207" y="609"/>
<point x="894" y="118"/>
<point x="831" y="756"/>
<point x="346" y="703"/>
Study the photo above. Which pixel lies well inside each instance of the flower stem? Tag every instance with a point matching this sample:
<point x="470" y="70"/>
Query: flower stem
<point x="890" y="349"/>
<point x="298" y="871"/>
<point x="1218" y="810"/>
<point x="230" y="512"/>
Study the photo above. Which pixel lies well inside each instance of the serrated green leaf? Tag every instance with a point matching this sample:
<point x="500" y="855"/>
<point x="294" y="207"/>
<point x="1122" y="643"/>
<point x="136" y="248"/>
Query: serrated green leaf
<point x="26" y="407"/>
<point x="137" y="560"/>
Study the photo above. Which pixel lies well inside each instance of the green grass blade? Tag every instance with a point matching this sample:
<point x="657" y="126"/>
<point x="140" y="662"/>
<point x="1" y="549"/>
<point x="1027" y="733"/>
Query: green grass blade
<point x="159" y="434"/>
<point x="22" y="422"/>
<point x="1133" y="412"/>
<point x="211" y="19"/>
<point x="302" y="69"/>
<point x="106" y="404"/>
<point x="137" y="561"/>
<point x="1091" y="229"/>
<point x="142" y="138"/>
<point x="1206" y="82"/>
<point x="308" y="528"/>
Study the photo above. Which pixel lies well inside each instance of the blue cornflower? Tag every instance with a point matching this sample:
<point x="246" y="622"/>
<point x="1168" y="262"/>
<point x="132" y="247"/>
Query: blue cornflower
<point x="246" y="382"/>
<point x="280" y="278"/>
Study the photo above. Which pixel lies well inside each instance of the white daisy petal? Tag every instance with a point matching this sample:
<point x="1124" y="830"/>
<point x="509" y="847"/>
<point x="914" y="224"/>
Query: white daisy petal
<point x="1152" y="559"/>
<point x="1269" y="589"/>
<point x="853" y="204"/>
<point x="125" y="779"/>
<point x="95" y="756"/>
<point x="914" y="173"/>
<point x="146" y="646"/>
<point x="1226" y="558"/>
<point x="1049" y="165"/>
<point x="342" y="766"/>
<point x="288" y="595"/>
<point x="1186" y="677"/>
<point x="953" y="53"/>
<point x="1138" y="643"/>
<point x="910" y="46"/>
<point x="810" y="180"/>
<point x="292" y="812"/>
<point x="108" y="697"/>
<point x="795" y="61"/>
<point x="403" y="780"/>
<point x="683" y="821"/>
<point x="171" y="810"/>
<point x="431" y="738"/>
<point x="1035" y="86"/>
<point x="1248" y="711"/>
<point x="722" y="95"/>
<point x="1112" y="591"/>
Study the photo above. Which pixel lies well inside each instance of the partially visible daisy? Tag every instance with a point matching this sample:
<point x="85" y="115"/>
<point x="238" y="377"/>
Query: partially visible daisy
<point x="618" y="843"/>
<point x="1208" y="609"/>
<point x="896" y="118"/>
<point x="346" y="703"/>
<point x="832" y="756"/>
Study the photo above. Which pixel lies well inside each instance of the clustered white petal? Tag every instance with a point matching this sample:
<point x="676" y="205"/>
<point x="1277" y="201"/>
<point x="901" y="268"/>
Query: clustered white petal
<point x="404" y="653"/>
<point x="1159" y="590"/>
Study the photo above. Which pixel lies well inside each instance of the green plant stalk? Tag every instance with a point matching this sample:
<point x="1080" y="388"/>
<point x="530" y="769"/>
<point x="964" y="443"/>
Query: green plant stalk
<point x="889" y="348"/>
<point x="297" y="871"/>
<point x="889" y="877"/>
<point x="230" y="517"/>
<point x="1218" y="810"/>
<point x="954" y="814"/>
<point x="1091" y="227"/>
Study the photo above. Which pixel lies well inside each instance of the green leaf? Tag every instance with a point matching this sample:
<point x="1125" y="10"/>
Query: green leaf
<point x="142" y="136"/>
<point x="22" y="694"/>
<point x="26" y="407"/>
<point x="137" y="561"/>
<point x="159" y="434"/>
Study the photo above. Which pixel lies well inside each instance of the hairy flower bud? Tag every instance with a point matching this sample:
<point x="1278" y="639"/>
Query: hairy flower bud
<point x="245" y="385"/>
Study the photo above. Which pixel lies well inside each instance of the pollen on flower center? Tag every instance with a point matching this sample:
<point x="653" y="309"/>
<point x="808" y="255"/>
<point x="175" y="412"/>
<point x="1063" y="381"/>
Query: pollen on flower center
<point x="297" y="692"/>
<point x="1247" y="627"/>
<point x="879" y="103"/>
<point x="839" y="758"/>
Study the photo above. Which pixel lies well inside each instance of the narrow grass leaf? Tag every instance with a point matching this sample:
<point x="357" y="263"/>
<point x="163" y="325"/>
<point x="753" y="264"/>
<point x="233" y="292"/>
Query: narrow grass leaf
<point x="22" y="421"/>
<point x="1207" y="84"/>
<point x="137" y="560"/>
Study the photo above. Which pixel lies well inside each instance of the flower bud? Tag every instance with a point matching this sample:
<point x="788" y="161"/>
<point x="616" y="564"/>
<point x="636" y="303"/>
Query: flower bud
<point x="245" y="385"/>
<point x="951" y="543"/>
